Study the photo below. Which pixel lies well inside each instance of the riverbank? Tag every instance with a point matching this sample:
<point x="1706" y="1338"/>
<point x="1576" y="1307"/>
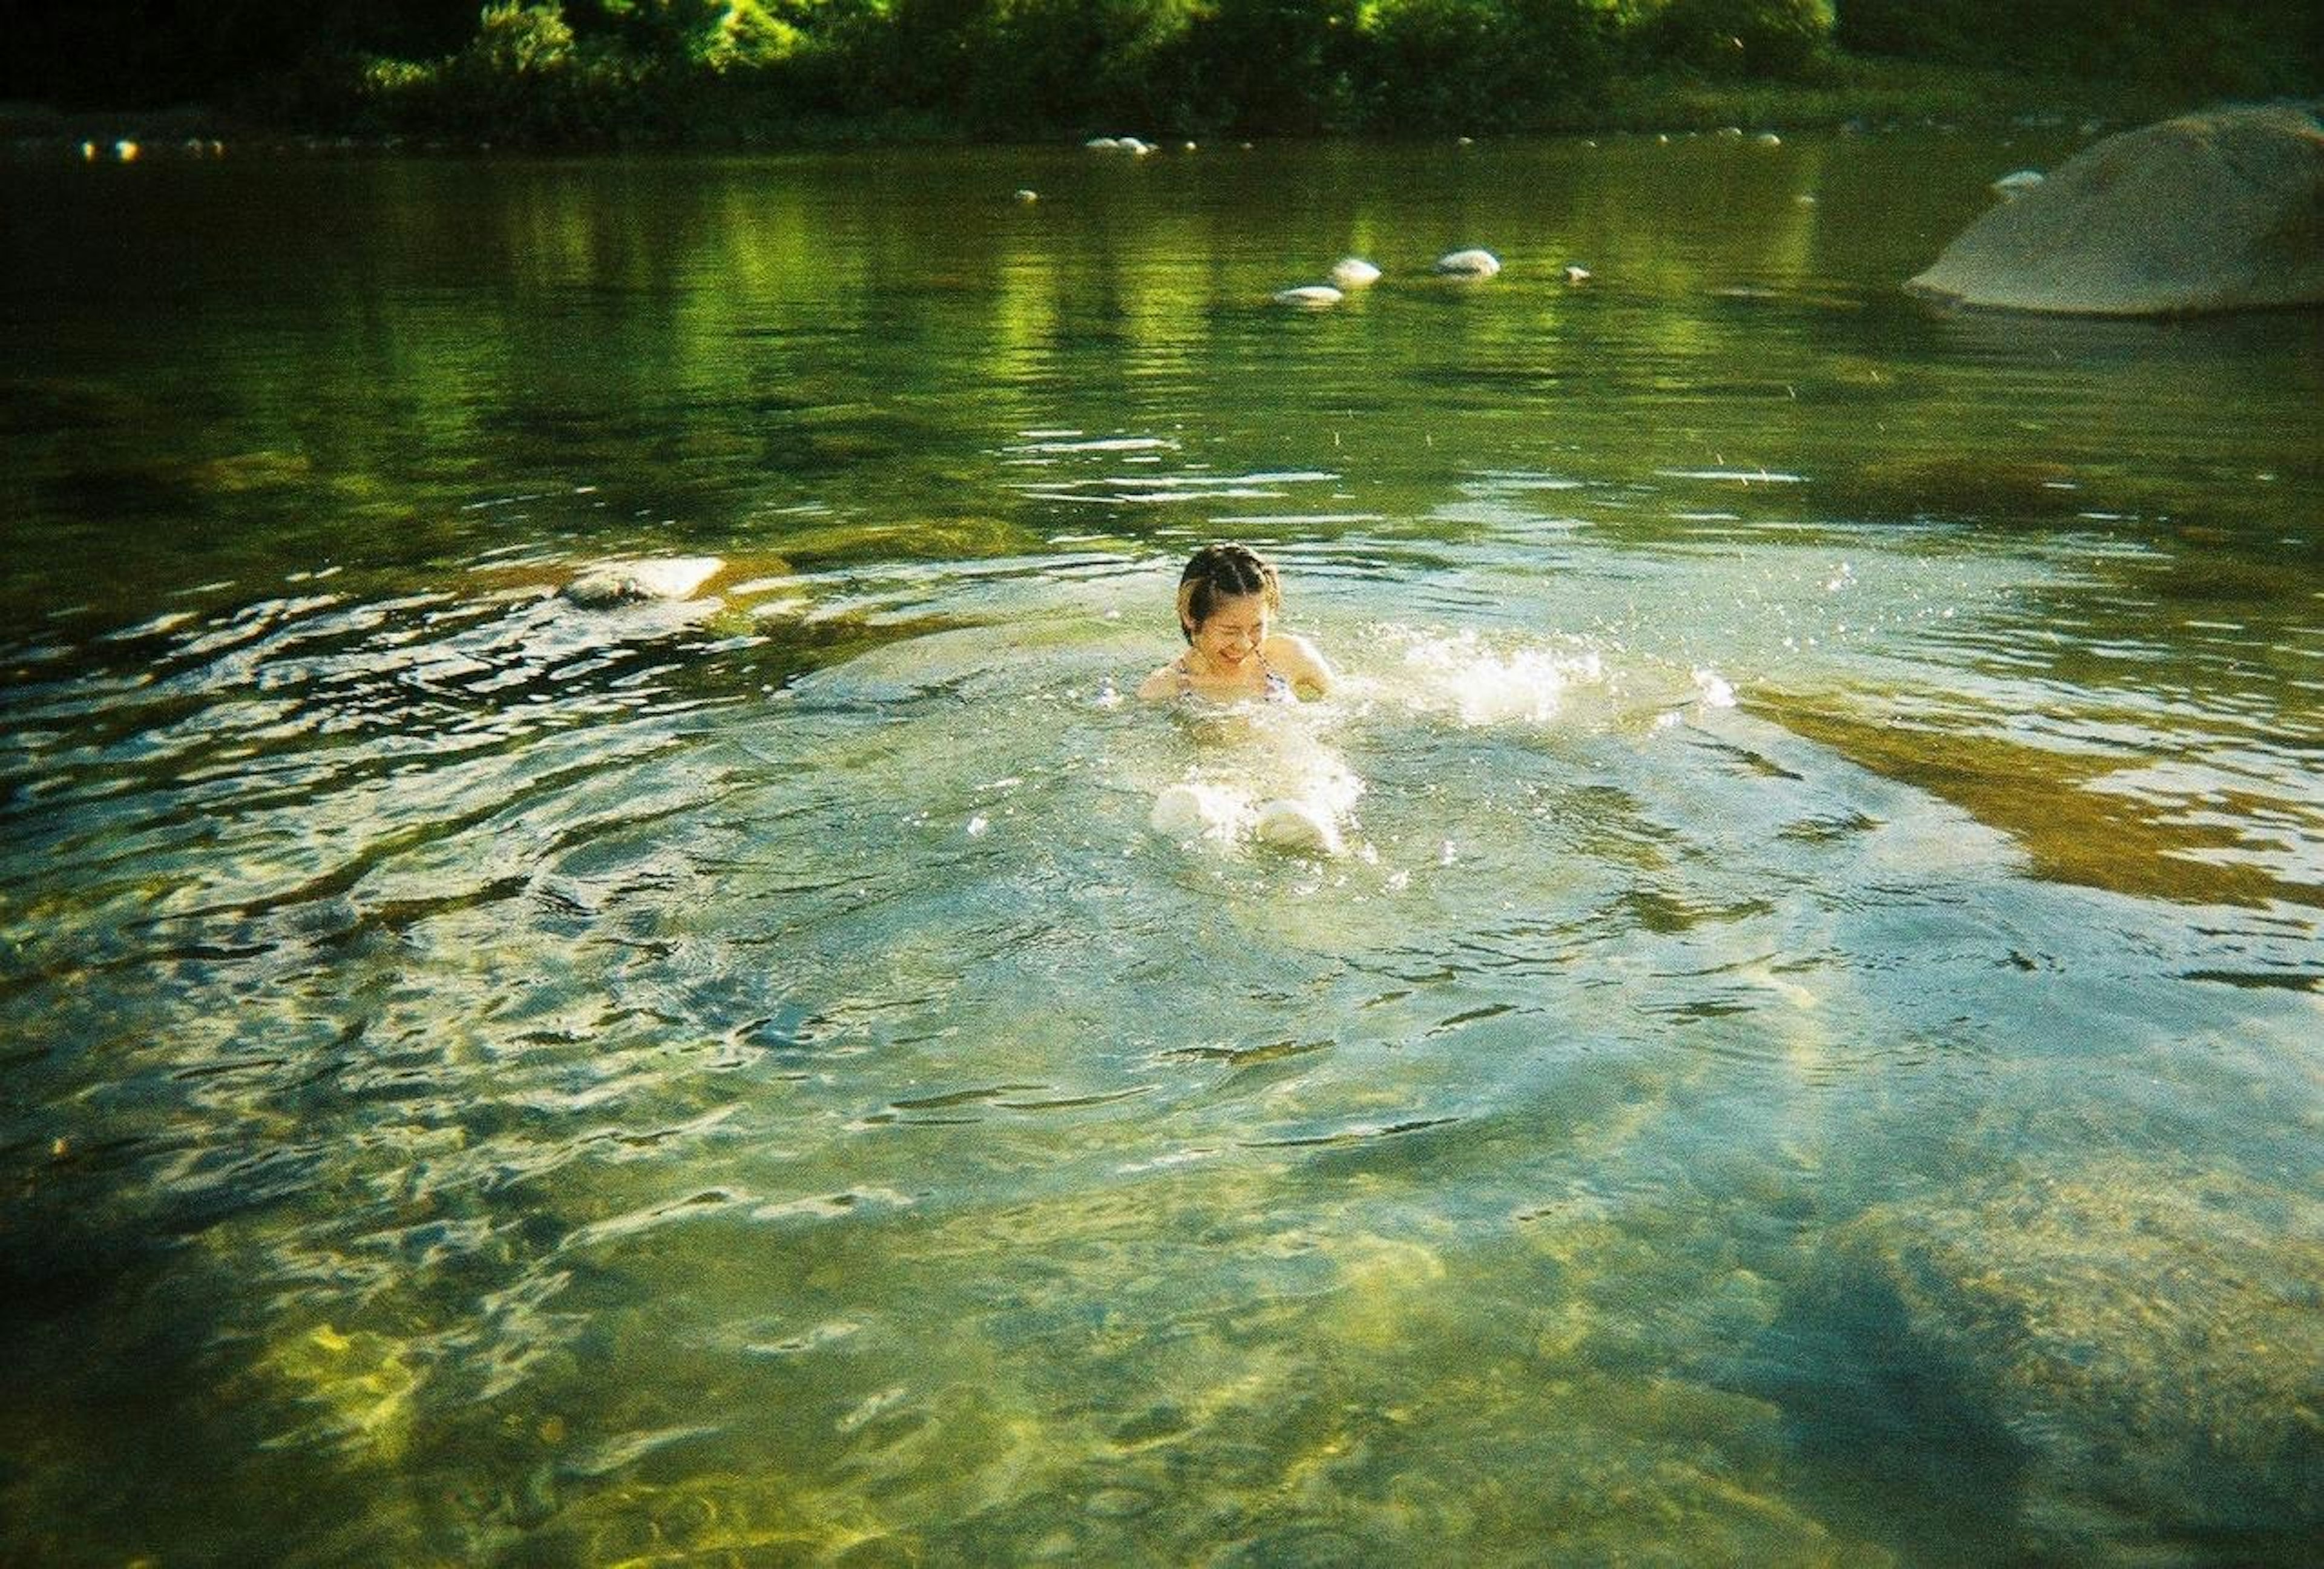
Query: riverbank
<point x="1859" y="93"/>
<point x="1876" y="92"/>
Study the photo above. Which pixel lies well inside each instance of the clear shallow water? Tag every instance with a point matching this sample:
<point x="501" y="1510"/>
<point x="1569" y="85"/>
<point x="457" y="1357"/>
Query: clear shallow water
<point x="1809" y="1056"/>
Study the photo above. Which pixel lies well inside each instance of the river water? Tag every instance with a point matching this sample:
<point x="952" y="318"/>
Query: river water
<point x="1809" y="1053"/>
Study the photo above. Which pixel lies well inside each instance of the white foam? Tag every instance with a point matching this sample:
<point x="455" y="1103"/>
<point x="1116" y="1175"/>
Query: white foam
<point x="1485" y="685"/>
<point x="1195" y="812"/>
<point x="1260" y="776"/>
<point x="1191" y="811"/>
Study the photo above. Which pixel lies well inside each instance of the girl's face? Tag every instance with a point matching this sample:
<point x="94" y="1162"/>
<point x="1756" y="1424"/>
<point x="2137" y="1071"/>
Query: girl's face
<point x="1233" y="632"/>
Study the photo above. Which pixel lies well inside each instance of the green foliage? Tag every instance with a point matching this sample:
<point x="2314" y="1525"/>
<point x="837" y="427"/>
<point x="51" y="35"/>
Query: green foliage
<point x="525" y="76"/>
<point x="688" y="33"/>
<point x="515" y="41"/>
<point x="1071" y="64"/>
<point x="2244" y="48"/>
<point x="839" y="58"/>
<point x="750" y="33"/>
<point x="1266" y="67"/>
<point x="659" y="70"/>
<point x="1481" y="65"/>
<point x="1737" y="39"/>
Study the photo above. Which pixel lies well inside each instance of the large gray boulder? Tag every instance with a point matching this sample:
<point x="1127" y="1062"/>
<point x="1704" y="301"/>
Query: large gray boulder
<point x="2216" y="211"/>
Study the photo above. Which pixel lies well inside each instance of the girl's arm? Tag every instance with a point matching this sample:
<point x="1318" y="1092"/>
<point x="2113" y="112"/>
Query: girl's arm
<point x="1299" y="662"/>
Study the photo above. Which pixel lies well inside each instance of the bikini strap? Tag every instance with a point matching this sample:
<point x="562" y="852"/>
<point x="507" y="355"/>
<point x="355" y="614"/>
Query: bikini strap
<point x="1274" y="685"/>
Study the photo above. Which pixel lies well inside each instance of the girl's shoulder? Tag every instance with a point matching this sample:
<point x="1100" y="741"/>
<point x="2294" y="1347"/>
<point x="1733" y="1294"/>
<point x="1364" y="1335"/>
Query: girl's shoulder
<point x="1297" y="661"/>
<point x="1169" y="681"/>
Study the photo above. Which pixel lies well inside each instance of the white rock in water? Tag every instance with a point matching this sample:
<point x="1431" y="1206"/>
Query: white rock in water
<point x="1314" y="296"/>
<point x="1469" y="263"/>
<point x="2016" y="184"/>
<point x="623" y="582"/>
<point x="1354" y="272"/>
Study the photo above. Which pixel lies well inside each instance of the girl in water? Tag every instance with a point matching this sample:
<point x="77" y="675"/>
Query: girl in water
<point x="1228" y="599"/>
<point x="1229" y="596"/>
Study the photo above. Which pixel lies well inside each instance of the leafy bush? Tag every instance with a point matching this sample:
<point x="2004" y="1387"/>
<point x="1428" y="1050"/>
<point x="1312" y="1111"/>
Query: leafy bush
<point x="1732" y="39"/>
<point x="661" y="70"/>
<point x="1488" y="65"/>
<point x="515" y="40"/>
<point x="524" y="77"/>
<point x="1079" y="65"/>
<point x="2249" y="47"/>
<point x="1266" y="67"/>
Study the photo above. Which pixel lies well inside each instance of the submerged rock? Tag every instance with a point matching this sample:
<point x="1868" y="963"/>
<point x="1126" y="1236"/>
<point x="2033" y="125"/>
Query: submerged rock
<point x="1968" y="484"/>
<point x="1311" y="296"/>
<point x="2141" y="1349"/>
<point x="2218" y="211"/>
<point x="1470" y="264"/>
<point x="1354" y="272"/>
<point x="627" y="582"/>
<point x="244" y="472"/>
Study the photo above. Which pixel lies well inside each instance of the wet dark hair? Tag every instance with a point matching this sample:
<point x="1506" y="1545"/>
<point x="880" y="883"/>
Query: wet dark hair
<point x="1220" y="572"/>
